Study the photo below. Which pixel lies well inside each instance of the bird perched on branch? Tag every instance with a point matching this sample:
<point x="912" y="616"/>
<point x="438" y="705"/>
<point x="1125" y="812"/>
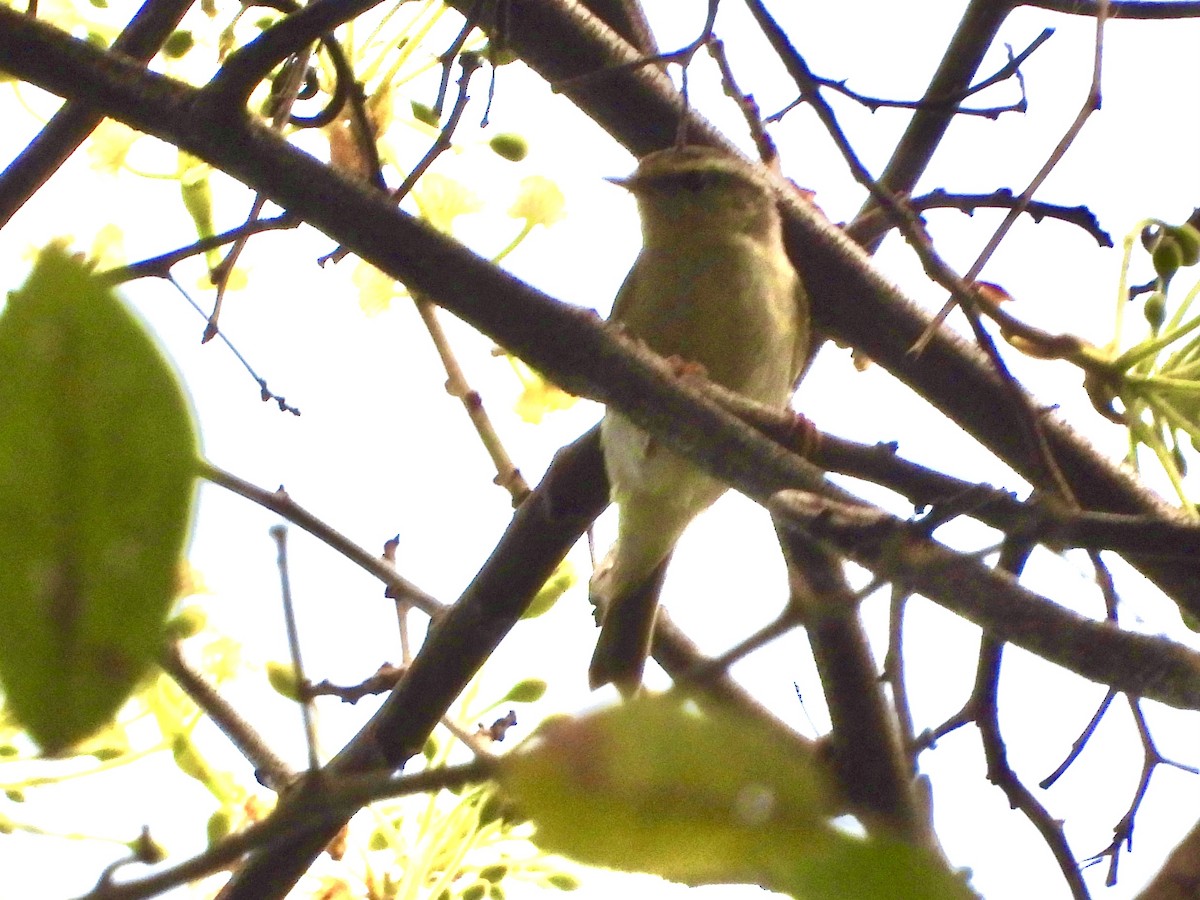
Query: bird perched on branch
<point x="712" y="287"/>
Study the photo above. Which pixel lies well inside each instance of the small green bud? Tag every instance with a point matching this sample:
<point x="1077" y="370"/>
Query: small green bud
<point x="423" y="113"/>
<point x="429" y="751"/>
<point x="1179" y="460"/>
<point x="1155" y="309"/>
<point x="494" y="873"/>
<point x="189" y="623"/>
<point x="16" y="796"/>
<point x="556" y="585"/>
<point x="178" y="44"/>
<point x="282" y="677"/>
<point x="509" y="146"/>
<point x="527" y="691"/>
<point x="498" y="56"/>
<point x="187" y="759"/>
<point x="1167" y="257"/>
<point x="1189" y="242"/>
<point x="563" y="881"/>
<point x="219" y="824"/>
<point x="476" y="891"/>
<point x="377" y="841"/>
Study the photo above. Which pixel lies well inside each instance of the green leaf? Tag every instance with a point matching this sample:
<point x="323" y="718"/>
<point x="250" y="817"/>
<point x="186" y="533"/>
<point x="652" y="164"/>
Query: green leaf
<point x="703" y="798"/>
<point x="97" y="474"/>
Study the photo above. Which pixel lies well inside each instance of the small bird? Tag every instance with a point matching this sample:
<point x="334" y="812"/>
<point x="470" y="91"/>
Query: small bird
<point x="712" y="287"/>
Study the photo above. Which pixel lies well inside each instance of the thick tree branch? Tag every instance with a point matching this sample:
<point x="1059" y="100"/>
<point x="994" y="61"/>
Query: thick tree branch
<point x="1142" y="665"/>
<point x="70" y="126"/>
<point x="1122" y="9"/>
<point x="867" y="751"/>
<point x="231" y="87"/>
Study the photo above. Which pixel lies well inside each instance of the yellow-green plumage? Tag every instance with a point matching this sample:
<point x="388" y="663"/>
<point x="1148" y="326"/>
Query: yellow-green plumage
<point x="713" y="286"/>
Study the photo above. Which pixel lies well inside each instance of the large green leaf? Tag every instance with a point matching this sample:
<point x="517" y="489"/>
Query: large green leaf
<point x="98" y="454"/>
<point x="656" y="786"/>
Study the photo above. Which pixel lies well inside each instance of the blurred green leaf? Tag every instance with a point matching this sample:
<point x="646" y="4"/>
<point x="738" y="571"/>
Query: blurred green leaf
<point x="97" y="476"/>
<point x="702" y="798"/>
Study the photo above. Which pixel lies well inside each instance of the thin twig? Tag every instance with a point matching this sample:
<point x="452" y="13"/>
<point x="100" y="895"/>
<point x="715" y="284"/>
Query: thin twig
<point x="279" y="502"/>
<point x="270" y="770"/>
<point x="508" y="476"/>
<point x="1151" y="759"/>
<point x="893" y="667"/>
<point x="867" y="228"/>
<point x="767" y="151"/>
<point x="1091" y="103"/>
<point x="160" y="266"/>
<point x="1009" y="70"/>
<point x="279" y="535"/>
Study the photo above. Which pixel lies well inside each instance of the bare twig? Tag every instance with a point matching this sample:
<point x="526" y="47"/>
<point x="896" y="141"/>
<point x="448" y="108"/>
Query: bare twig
<point x="279" y="502"/>
<point x="1091" y="103"/>
<point x="382" y="681"/>
<point x="508" y="476"/>
<point x="747" y="104"/>
<point x="1081" y="741"/>
<point x="1151" y="759"/>
<point x="271" y="771"/>
<point x="160" y="266"/>
<point x="279" y="535"/>
<point x="893" y="667"/>
<point x="1010" y="69"/>
<point x="867" y="228"/>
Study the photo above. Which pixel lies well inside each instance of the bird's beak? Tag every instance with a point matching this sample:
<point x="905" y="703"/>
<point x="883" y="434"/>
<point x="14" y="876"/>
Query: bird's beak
<point x="629" y="183"/>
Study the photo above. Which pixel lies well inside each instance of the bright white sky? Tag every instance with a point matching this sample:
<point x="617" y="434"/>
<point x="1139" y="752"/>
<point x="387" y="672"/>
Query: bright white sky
<point x="380" y="449"/>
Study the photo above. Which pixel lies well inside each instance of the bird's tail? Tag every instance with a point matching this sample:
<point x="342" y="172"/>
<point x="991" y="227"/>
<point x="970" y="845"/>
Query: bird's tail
<point x="627" y="629"/>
